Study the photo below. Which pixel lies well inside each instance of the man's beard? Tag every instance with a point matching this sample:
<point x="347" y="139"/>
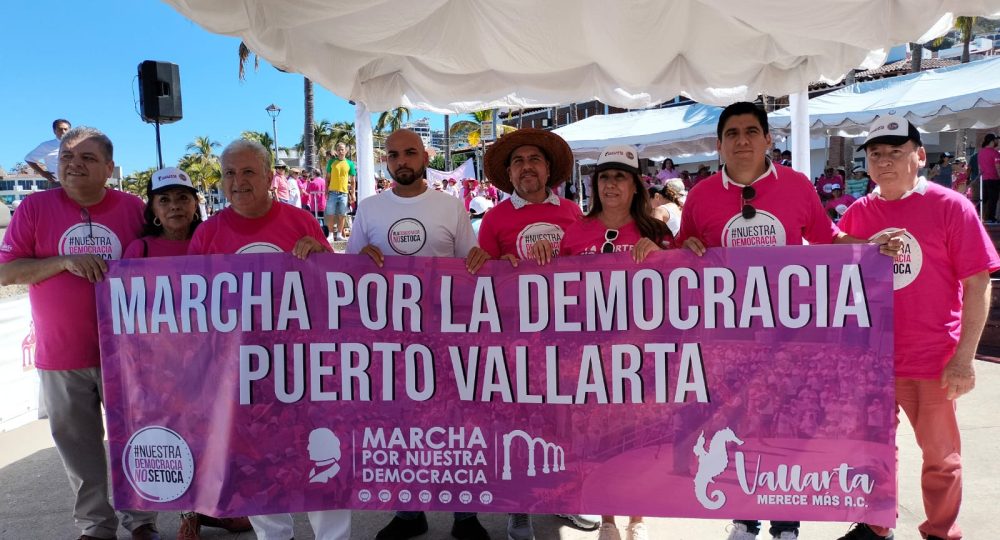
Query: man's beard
<point x="407" y="178"/>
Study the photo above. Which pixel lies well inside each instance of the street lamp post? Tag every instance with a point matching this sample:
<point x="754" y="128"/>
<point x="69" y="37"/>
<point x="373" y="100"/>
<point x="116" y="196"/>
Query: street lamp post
<point x="273" y="111"/>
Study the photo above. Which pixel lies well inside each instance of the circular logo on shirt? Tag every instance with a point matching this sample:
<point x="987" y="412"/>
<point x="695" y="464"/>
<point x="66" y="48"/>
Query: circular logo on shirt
<point x="260" y="247"/>
<point x="158" y="464"/>
<point x="762" y="230"/>
<point x="535" y="232"/>
<point x="906" y="266"/>
<point x="91" y="239"/>
<point x="407" y="236"/>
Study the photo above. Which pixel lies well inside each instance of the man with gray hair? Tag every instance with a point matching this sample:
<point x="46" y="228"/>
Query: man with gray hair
<point x="256" y="223"/>
<point x="59" y="243"/>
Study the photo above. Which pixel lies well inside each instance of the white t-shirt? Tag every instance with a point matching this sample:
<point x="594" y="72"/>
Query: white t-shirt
<point x="432" y="224"/>
<point x="294" y="195"/>
<point x="46" y="154"/>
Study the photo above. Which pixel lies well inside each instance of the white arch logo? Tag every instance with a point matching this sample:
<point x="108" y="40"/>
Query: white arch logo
<point x="549" y="450"/>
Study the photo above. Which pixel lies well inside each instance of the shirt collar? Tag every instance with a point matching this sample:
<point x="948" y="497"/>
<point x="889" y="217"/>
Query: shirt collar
<point x="726" y="180"/>
<point x="919" y="189"/>
<point x="519" y="202"/>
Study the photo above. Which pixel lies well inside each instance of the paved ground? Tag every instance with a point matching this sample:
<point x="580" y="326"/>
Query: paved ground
<point x="35" y="501"/>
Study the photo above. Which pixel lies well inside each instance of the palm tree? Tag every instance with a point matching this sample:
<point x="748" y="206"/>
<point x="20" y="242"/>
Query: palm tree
<point x="392" y="119"/>
<point x="207" y="173"/>
<point x="309" y="135"/>
<point x="137" y="183"/>
<point x="343" y="132"/>
<point x="262" y="137"/>
<point x="203" y="146"/>
<point x="244" y="54"/>
<point x="200" y="163"/>
<point x="469" y="129"/>
<point x="965" y="25"/>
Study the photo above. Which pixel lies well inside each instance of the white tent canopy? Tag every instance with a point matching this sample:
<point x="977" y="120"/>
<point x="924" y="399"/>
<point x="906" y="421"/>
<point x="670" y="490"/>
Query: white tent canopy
<point x="467" y="55"/>
<point x="945" y="99"/>
<point x="674" y="132"/>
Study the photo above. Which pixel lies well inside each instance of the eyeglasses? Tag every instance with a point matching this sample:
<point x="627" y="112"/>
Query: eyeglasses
<point x="746" y="196"/>
<point x="610" y="236"/>
<point x="85" y="215"/>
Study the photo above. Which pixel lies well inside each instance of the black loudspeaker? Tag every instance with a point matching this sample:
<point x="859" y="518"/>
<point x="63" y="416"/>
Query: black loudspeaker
<point x="159" y="92"/>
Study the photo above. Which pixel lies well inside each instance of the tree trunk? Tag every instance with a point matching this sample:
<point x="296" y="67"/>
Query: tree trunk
<point x="447" y="142"/>
<point x="309" y="137"/>
<point x="917" y="54"/>
<point x="965" y="47"/>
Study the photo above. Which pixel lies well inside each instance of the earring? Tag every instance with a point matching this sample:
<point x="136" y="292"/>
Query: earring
<point x="156" y="221"/>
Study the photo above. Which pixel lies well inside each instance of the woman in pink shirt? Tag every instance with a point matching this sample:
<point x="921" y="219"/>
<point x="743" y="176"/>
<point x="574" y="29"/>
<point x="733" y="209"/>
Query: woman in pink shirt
<point x="620" y="221"/>
<point x="171" y="215"/>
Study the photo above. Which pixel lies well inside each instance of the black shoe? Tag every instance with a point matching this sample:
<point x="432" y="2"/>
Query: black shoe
<point x="863" y="532"/>
<point x="469" y="529"/>
<point x="401" y="529"/>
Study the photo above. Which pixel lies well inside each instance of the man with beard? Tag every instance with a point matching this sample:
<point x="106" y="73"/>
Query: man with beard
<point x="411" y="219"/>
<point x="528" y="164"/>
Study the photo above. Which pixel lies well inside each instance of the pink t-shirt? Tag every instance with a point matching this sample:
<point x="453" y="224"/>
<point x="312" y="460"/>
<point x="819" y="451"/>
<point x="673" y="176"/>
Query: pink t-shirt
<point x="944" y="243"/>
<point x="844" y="199"/>
<point x="788" y="211"/>
<point x="156" y="246"/>
<point x="989" y="159"/>
<point x="274" y="232"/>
<point x="665" y="174"/>
<point x="64" y="308"/>
<point x="316" y="190"/>
<point x="280" y="186"/>
<point x="587" y="237"/>
<point x="828" y="181"/>
<point x="508" y="230"/>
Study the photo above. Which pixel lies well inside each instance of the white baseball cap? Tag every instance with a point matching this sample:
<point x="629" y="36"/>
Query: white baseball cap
<point x="893" y="130"/>
<point x="168" y="178"/>
<point x="622" y="157"/>
<point x="479" y="205"/>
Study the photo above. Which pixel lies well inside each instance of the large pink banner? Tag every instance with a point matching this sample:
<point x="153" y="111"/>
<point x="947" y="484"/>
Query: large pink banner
<point x="750" y="383"/>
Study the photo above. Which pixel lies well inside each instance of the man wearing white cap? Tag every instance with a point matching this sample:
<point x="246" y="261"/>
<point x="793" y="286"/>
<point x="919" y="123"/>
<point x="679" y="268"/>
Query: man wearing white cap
<point x="941" y="300"/>
<point x="59" y="243"/>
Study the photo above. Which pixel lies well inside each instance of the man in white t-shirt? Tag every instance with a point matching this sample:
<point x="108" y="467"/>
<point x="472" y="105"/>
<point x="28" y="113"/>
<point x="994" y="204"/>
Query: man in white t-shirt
<point x="412" y="219"/>
<point x="44" y="159"/>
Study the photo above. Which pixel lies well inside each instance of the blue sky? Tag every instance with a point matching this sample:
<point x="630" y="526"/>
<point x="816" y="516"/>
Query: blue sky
<point x="77" y="60"/>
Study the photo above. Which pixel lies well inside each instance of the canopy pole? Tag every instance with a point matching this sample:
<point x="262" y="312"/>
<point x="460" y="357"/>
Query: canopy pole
<point x="366" y="150"/>
<point x="799" y="103"/>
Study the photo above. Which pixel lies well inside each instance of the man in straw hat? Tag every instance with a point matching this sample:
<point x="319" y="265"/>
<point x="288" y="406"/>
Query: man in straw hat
<point x="527" y="164"/>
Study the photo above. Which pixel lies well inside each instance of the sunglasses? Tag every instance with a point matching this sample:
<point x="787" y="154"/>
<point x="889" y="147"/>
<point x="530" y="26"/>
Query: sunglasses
<point x="85" y="215"/>
<point x="610" y="236"/>
<point x="746" y="196"/>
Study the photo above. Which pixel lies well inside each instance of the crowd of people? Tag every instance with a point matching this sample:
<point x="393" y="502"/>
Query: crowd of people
<point x="755" y="198"/>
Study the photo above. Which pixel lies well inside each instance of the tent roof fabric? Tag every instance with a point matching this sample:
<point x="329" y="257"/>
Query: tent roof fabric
<point x="673" y="131"/>
<point x="962" y="96"/>
<point x="466" y="55"/>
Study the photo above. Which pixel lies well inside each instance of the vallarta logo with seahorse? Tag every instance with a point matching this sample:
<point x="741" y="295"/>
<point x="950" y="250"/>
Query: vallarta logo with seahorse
<point x="785" y="485"/>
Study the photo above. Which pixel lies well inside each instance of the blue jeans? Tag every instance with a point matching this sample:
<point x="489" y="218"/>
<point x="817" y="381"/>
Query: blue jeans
<point x="459" y="516"/>
<point x="336" y="204"/>
<point x="777" y="527"/>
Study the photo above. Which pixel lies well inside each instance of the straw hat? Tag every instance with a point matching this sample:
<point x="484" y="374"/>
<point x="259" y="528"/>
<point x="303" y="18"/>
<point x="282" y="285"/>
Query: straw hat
<point x="552" y="145"/>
